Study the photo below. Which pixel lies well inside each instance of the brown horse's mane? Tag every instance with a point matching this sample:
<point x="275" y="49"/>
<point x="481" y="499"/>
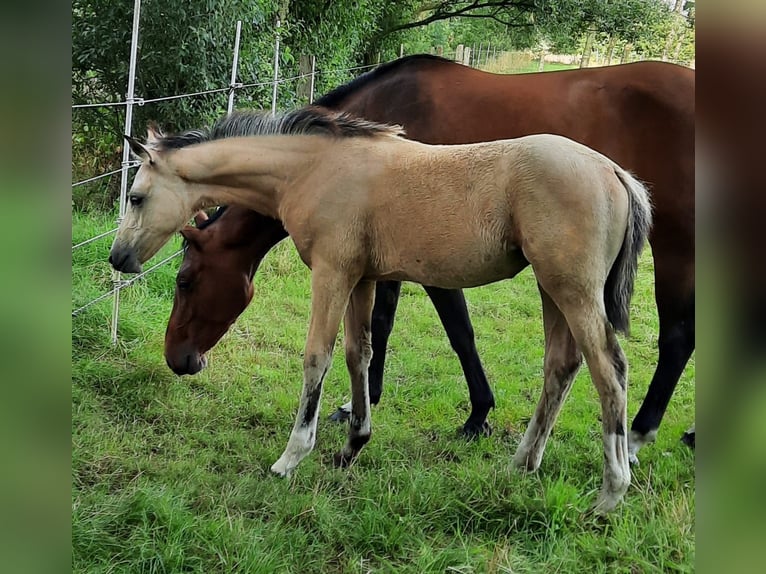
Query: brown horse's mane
<point x="310" y="120"/>
<point x="203" y="224"/>
<point x="336" y="96"/>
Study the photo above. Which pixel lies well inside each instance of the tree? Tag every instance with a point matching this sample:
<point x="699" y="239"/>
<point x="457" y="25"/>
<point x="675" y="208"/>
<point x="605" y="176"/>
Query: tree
<point x="561" y="22"/>
<point x="185" y="46"/>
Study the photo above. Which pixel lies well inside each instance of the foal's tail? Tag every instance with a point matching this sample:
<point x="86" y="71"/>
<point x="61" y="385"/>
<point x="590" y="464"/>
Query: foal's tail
<point x="619" y="283"/>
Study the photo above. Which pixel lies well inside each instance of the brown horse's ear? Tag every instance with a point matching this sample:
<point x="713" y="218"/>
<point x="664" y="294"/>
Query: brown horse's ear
<point x="192" y="235"/>
<point x="139" y="150"/>
<point x="199" y="217"/>
<point x="153" y="133"/>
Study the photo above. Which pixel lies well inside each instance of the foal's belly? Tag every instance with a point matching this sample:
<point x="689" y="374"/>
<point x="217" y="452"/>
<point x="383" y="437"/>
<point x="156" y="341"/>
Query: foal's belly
<point x="452" y="271"/>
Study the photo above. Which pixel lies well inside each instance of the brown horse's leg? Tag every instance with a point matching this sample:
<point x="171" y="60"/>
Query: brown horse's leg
<point x="562" y="361"/>
<point x="675" y="306"/>
<point x="329" y="297"/>
<point x="358" y="341"/>
<point x="383" y="313"/>
<point x="453" y="313"/>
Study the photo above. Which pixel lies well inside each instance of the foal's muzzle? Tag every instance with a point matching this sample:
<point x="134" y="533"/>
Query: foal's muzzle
<point x="124" y="259"/>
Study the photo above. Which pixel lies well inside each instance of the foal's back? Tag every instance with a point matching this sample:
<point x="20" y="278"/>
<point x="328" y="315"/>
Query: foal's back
<point x="464" y="215"/>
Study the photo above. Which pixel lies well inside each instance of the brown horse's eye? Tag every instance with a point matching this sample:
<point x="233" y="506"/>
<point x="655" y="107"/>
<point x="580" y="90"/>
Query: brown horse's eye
<point x="183" y="284"/>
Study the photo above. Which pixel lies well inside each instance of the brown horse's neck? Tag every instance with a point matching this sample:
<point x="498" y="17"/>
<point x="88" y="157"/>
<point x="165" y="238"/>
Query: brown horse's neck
<point x="255" y="234"/>
<point x="249" y="172"/>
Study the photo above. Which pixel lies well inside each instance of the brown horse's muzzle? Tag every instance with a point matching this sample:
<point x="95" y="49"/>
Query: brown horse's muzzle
<point x="185" y="361"/>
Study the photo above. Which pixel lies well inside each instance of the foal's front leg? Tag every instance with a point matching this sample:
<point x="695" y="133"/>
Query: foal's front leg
<point x="358" y="339"/>
<point x="329" y="297"/>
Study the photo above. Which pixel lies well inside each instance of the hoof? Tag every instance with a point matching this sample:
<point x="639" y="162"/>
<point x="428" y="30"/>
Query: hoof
<point x="688" y="439"/>
<point x="472" y="431"/>
<point x="280" y="469"/>
<point x="598" y="513"/>
<point x="523" y="463"/>
<point x="605" y="505"/>
<point x="341" y="415"/>
<point x="636" y="441"/>
<point x="341" y="460"/>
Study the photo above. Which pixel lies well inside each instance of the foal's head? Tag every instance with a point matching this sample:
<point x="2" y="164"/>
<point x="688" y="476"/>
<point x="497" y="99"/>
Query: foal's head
<point x="155" y="203"/>
<point x="214" y="282"/>
<point x="159" y="202"/>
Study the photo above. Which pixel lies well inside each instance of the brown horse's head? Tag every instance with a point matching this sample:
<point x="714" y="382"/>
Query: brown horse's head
<point x="214" y="282"/>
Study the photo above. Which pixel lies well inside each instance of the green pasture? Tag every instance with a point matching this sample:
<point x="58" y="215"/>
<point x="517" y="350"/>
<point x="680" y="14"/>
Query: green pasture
<point x="171" y="474"/>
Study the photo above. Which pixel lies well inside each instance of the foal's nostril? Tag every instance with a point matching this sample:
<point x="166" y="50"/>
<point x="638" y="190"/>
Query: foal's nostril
<point x="116" y="261"/>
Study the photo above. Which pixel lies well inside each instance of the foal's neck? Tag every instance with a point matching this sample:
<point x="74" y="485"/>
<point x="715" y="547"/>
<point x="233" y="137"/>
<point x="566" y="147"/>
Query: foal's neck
<point x="250" y="171"/>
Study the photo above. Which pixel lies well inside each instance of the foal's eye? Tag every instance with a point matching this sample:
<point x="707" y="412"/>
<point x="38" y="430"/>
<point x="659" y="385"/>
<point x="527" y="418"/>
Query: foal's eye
<point x="135" y="200"/>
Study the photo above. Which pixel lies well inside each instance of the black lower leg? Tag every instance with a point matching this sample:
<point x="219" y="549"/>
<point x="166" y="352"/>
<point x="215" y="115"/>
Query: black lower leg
<point x="676" y="344"/>
<point x="383" y="313"/>
<point x="453" y="313"/>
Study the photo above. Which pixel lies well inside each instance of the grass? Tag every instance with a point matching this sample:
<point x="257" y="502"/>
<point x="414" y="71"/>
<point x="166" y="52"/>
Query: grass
<point x="172" y="474"/>
<point x="521" y="63"/>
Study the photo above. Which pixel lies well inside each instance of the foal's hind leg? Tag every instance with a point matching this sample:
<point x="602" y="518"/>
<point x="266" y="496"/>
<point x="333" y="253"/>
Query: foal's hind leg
<point x="562" y="361"/>
<point x="358" y="354"/>
<point x="609" y="371"/>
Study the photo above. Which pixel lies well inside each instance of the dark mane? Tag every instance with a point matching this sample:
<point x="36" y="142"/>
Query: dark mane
<point x="212" y="219"/>
<point x="307" y="120"/>
<point x="336" y="96"/>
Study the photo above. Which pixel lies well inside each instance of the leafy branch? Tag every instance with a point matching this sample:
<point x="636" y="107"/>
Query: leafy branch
<point x="450" y="9"/>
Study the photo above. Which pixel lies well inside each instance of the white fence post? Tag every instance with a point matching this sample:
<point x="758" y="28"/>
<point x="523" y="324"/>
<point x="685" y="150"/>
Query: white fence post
<point x="276" y="72"/>
<point x="116" y="275"/>
<point x="313" y="72"/>
<point x="233" y="84"/>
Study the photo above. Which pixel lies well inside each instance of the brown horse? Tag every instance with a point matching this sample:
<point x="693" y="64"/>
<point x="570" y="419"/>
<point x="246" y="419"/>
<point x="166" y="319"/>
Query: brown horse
<point x="641" y="115"/>
<point x="362" y="204"/>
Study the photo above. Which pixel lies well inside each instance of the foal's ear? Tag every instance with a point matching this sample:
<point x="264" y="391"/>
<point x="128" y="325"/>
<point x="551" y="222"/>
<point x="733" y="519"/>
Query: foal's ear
<point x="192" y="235"/>
<point x="138" y="149"/>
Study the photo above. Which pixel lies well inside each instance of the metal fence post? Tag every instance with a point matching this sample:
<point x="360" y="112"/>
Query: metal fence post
<point x="233" y="85"/>
<point x="116" y="275"/>
<point x="276" y="71"/>
<point x="313" y="72"/>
